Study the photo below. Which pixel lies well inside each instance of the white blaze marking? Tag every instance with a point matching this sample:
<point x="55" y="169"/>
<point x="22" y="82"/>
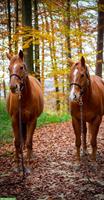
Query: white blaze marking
<point x="73" y="86"/>
<point x="14" y="68"/>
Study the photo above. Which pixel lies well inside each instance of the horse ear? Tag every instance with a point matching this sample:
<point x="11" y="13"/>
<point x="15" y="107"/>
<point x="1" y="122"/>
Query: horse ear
<point x="21" y="54"/>
<point x="70" y="61"/>
<point x="82" y="61"/>
<point x="8" y="55"/>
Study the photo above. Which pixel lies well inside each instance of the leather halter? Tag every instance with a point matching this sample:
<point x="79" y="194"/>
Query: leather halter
<point x="81" y="88"/>
<point x="20" y="78"/>
<point x="76" y="85"/>
<point x="16" y="76"/>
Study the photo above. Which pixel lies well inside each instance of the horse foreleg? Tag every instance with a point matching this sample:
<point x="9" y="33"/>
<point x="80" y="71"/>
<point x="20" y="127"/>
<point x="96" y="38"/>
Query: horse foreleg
<point x="16" y="140"/>
<point x="76" y="126"/>
<point x="93" y="128"/>
<point x="30" y="131"/>
<point x="84" y="139"/>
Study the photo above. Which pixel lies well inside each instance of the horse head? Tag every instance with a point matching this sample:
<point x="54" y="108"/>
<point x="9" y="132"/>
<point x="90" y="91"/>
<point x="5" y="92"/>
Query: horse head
<point x="18" y="72"/>
<point x="79" y="79"/>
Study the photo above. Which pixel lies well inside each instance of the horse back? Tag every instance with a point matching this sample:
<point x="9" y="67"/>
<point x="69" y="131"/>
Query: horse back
<point x="97" y="86"/>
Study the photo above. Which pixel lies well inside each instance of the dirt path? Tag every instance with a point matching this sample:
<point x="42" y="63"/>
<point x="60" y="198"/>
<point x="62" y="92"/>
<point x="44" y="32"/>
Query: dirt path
<point x="53" y="174"/>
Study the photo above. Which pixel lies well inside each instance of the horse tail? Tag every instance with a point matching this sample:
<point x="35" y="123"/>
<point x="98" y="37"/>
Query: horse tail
<point x="24" y="132"/>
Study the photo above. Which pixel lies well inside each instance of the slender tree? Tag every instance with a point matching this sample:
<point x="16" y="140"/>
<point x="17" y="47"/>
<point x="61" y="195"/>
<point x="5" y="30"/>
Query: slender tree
<point x="27" y="22"/>
<point x="100" y="38"/>
<point x="37" y="66"/>
<point x="79" y="28"/>
<point x="69" y="50"/>
<point x="54" y="65"/>
<point x="9" y="24"/>
<point x="43" y="56"/>
<point x="16" y="10"/>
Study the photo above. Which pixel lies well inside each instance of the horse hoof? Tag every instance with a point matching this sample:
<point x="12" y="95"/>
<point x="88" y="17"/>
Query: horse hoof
<point x="16" y="169"/>
<point x="77" y="166"/>
<point x="27" y="171"/>
<point x="94" y="166"/>
<point x="84" y="153"/>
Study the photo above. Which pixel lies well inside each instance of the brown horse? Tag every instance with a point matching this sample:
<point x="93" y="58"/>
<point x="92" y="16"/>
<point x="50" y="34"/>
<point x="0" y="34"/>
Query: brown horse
<point x="89" y="89"/>
<point x="29" y="89"/>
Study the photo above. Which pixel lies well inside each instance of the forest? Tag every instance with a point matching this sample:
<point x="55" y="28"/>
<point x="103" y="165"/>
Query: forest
<point x="49" y="32"/>
<point x="50" y="39"/>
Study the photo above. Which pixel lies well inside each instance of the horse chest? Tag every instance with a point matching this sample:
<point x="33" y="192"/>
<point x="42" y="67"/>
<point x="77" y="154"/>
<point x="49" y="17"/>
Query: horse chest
<point x="27" y="114"/>
<point x="88" y="112"/>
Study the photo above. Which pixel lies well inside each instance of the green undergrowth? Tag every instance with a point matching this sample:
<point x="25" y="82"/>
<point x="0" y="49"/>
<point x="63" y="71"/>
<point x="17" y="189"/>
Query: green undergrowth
<point x="45" y="118"/>
<point x="5" y="124"/>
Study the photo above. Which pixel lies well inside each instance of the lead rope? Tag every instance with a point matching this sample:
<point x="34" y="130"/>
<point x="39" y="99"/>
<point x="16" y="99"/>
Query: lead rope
<point x="21" y="137"/>
<point x="82" y="132"/>
<point x="81" y="116"/>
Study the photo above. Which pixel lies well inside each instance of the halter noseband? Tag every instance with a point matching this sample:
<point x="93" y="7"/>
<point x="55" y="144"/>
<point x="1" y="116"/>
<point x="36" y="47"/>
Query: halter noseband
<point x="16" y="76"/>
<point x="81" y="88"/>
<point x="20" y="78"/>
<point x="76" y="85"/>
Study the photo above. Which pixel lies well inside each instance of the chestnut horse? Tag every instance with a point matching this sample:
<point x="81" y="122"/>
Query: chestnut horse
<point x="31" y="102"/>
<point x="90" y="89"/>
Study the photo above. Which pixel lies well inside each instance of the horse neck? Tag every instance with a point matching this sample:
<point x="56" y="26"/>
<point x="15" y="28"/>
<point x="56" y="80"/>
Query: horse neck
<point x="88" y="92"/>
<point x="26" y="93"/>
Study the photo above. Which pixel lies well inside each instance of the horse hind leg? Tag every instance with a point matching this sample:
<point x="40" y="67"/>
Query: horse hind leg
<point x="30" y="131"/>
<point x="94" y="128"/>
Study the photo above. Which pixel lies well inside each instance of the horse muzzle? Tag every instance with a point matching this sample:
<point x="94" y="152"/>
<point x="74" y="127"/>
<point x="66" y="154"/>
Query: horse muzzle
<point x="74" y="97"/>
<point x="14" y="88"/>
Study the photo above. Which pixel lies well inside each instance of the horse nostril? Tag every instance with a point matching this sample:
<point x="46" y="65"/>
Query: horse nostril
<point x="75" y="96"/>
<point x="16" y="87"/>
<point x="13" y="88"/>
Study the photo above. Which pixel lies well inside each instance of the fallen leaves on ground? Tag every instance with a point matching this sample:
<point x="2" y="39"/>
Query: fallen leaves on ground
<point x="54" y="175"/>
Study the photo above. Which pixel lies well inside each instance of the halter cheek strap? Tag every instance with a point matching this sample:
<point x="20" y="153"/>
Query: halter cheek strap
<point x="16" y="76"/>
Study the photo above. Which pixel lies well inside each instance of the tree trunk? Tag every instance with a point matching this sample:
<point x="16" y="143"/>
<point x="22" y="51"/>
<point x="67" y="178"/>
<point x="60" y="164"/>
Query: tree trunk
<point x="3" y="69"/>
<point x="4" y="88"/>
<point x="63" y="78"/>
<point x="9" y="25"/>
<point x="53" y="56"/>
<point x="69" y="53"/>
<point x="16" y="10"/>
<point x="42" y="66"/>
<point x="79" y="28"/>
<point x="100" y="39"/>
<point x="27" y="21"/>
<point x="37" y="66"/>
<point x="52" y="49"/>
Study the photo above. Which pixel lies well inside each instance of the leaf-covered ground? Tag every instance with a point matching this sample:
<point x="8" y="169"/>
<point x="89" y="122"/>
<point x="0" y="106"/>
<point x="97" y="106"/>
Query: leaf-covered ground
<point x="53" y="175"/>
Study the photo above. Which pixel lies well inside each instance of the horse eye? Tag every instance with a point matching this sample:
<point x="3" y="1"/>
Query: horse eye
<point x="82" y="75"/>
<point x="76" y="64"/>
<point x="21" y="67"/>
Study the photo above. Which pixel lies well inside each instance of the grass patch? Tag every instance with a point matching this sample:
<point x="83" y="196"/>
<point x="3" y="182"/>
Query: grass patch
<point x="45" y="118"/>
<point x="5" y="124"/>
